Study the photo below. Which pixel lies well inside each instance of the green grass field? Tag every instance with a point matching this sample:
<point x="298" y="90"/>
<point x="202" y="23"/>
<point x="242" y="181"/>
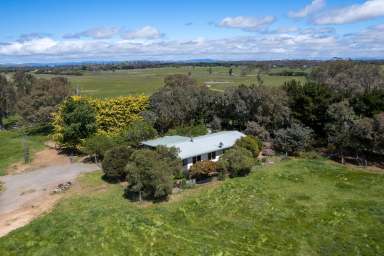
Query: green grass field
<point x="12" y="150"/>
<point x="146" y="81"/>
<point x="295" y="207"/>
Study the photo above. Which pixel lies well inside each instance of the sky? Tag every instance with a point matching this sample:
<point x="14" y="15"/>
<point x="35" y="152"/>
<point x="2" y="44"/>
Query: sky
<point x="47" y="31"/>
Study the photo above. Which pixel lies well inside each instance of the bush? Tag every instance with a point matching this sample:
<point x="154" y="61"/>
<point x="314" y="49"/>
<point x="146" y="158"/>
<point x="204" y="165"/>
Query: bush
<point x="149" y="175"/>
<point x="293" y="140"/>
<point x="137" y="132"/>
<point x="76" y="122"/>
<point x="98" y="145"/>
<point x="250" y="143"/>
<point x="203" y="169"/>
<point x="115" y="161"/>
<point x="237" y="162"/>
<point x="254" y="129"/>
<point x="193" y="130"/>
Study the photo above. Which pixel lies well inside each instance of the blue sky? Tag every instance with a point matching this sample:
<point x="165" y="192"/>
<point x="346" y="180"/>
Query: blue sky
<point x="69" y="30"/>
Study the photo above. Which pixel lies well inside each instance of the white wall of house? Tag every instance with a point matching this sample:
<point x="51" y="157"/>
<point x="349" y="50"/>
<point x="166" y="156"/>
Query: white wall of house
<point x="187" y="163"/>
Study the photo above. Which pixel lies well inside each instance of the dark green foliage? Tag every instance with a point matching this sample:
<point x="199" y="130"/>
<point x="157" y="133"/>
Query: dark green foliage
<point x="368" y="104"/>
<point x="98" y="145"/>
<point x="149" y="175"/>
<point x="349" y="78"/>
<point x="250" y="143"/>
<point x="79" y="122"/>
<point x="170" y="155"/>
<point x="293" y="140"/>
<point x="38" y="98"/>
<point x="309" y="103"/>
<point x="339" y="128"/>
<point x="137" y="132"/>
<point x="266" y="106"/>
<point x="115" y="161"/>
<point x="181" y="102"/>
<point x="237" y="162"/>
<point x="192" y="130"/>
<point x="7" y="99"/>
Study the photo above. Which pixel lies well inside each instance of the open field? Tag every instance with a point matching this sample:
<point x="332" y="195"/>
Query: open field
<point x="12" y="150"/>
<point x="146" y="81"/>
<point x="295" y="207"/>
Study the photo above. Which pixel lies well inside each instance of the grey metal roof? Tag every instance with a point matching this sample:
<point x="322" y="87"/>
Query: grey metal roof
<point x="199" y="145"/>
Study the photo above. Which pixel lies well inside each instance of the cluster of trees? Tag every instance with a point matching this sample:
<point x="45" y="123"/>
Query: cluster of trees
<point x="295" y="117"/>
<point x="34" y="99"/>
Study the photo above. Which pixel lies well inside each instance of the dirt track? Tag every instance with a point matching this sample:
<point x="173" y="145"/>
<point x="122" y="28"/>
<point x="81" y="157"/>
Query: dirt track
<point x="27" y="195"/>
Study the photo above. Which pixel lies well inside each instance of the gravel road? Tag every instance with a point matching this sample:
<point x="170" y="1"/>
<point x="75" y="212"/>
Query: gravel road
<point x="26" y="188"/>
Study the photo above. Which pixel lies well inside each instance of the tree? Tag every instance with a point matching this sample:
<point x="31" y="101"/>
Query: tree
<point x="237" y="162"/>
<point x="39" y="98"/>
<point x="203" y="169"/>
<point x="309" y="103"/>
<point x="349" y="78"/>
<point x="115" y="161"/>
<point x="266" y="106"/>
<point x="293" y="140"/>
<point x="339" y="128"/>
<point x="137" y="132"/>
<point x="149" y="175"/>
<point x="250" y="143"/>
<point x="98" y="145"/>
<point x="230" y="72"/>
<point x="7" y="99"/>
<point x="210" y="70"/>
<point x="181" y="103"/>
<point x="79" y="122"/>
<point x="368" y="104"/>
<point x="191" y="130"/>
<point x="254" y="129"/>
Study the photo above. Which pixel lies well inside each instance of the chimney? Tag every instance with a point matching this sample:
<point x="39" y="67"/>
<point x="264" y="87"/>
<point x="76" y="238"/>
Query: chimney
<point x="221" y="144"/>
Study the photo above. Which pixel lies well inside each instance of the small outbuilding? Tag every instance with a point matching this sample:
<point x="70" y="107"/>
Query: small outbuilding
<point x="195" y="149"/>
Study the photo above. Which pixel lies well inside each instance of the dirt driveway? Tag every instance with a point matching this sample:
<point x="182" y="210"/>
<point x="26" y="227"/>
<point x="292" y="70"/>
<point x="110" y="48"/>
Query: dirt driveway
<point x="28" y="194"/>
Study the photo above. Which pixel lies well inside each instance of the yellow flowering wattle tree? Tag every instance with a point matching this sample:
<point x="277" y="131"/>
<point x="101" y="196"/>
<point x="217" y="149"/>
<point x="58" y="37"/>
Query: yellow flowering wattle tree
<point x="112" y="114"/>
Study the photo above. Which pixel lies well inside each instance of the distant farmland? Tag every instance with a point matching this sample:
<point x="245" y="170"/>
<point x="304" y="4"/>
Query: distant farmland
<point x="146" y="81"/>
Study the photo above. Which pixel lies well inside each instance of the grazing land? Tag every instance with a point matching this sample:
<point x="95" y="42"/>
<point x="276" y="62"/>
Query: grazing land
<point x="12" y="149"/>
<point x="146" y="81"/>
<point x="295" y="207"/>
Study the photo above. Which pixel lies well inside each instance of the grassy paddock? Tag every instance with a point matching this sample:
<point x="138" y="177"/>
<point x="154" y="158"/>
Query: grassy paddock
<point x="295" y="207"/>
<point x="146" y="81"/>
<point x="11" y="147"/>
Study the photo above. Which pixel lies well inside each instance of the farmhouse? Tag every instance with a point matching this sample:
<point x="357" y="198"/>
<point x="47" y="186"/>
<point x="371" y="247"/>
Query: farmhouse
<point x="195" y="149"/>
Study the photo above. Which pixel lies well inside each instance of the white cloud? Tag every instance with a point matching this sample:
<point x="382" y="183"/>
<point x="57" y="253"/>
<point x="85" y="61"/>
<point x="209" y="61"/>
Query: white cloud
<point x="247" y="23"/>
<point x="358" y="12"/>
<point x="311" y="42"/>
<point x="95" y="33"/>
<point x="314" y="6"/>
<point x="146" y="32"/>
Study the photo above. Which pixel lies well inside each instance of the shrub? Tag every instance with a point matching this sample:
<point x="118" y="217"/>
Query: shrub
<point x="250" y="143"/>
<point x="149" y="175"/>
<point x="237" y="162"/>
<point x="193" y="130"/>
<point x="115" y="161"/>
<point x="112" y="115"/>
<point x="77" y="121"/>
<point x="293" y="140"/>
<point x="253" y="128"/>
<point x="98" y="145"/>
<point x="137" y="132"/>
<point x="203" y="169"/>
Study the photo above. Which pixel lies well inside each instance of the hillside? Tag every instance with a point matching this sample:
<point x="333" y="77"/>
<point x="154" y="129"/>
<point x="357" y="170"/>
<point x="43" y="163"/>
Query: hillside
<point x="296" y="207"/>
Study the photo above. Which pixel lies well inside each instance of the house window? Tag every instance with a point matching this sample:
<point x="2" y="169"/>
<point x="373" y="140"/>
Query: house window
<point x="211" y="155"/>
<point x="185" y="162"/>
<point x="196" y="159"/>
